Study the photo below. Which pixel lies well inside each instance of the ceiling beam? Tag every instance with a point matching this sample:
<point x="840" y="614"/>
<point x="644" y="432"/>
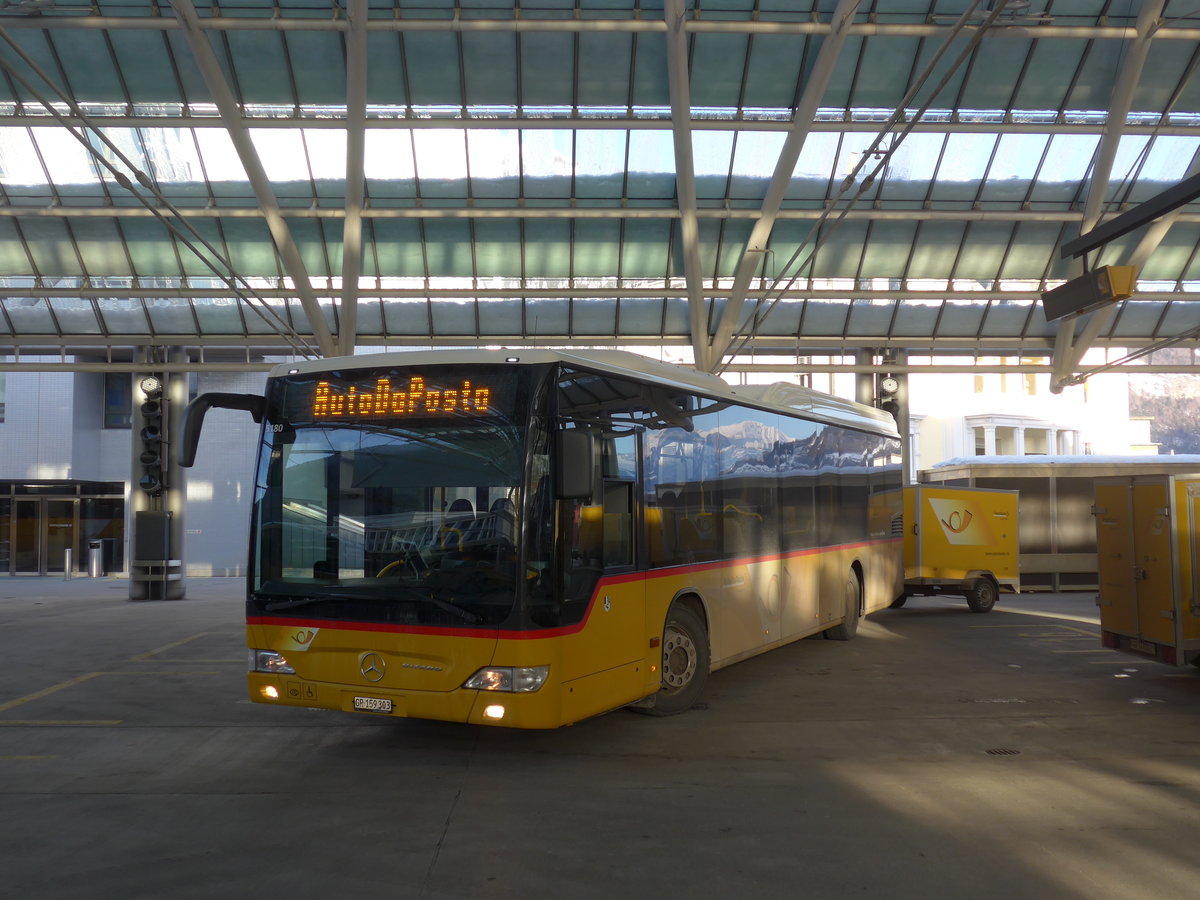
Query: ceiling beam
<point x="57" y="211"/>
<point x="404" y="119"/>
<point x="793" y="345"/>
<point x="572" y="291"/>
<point x="356" y="106"/>
<point x="51" y="19"/>
<point x="754" y="253"/>
<point x="685" y="179"/>
<point x="289" y="253"/>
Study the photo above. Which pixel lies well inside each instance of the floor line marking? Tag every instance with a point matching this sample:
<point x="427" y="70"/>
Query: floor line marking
<point x="66" y="723"/>
<point x="142" y="657"/>
<point x="46" y="692"/>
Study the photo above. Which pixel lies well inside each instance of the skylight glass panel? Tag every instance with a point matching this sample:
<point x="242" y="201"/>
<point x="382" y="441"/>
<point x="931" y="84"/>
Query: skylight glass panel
<point x="825" y="317"/>
<point x="29" y="315"/>
<point x="64" y="156"/>
<point x="494" y="154"/>
<point x="911" y="167"/>
<point x="712" y="152"/>
<point x="916" y="319"/>
<point x="441" y="162"/>
<point x="123" y="315"/>
<point x="547" y="160"/>
<point x="170" y="315"/>
<point x="500" y="316"/>
<point x="117" y="145"/>
<point x="756" y="154"/>
<point x="600" y="163"/>
<point x="171" y="155"/>
<point x="1166" y="163"/>
<point x="594" y="316"/>
<point x="963" y="166"/>
<point x="1006" y="317"/>
<point x="1015" y="164"/>
<point x="546" y="317"/>
<point x="19" y="163"/>
<point x="1067" y="163"/>
<point x="326" y="153"/>
<point x="651" y="164"/>
<point x="282" y="153"/>
<point x="218" y="156"/>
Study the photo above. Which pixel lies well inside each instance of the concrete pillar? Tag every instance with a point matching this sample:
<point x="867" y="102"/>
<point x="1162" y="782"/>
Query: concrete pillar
<point x="158" y="492"/>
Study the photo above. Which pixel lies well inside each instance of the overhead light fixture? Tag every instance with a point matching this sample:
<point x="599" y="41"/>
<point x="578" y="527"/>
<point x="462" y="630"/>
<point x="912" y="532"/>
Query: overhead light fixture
<point x="1091" y="290"/>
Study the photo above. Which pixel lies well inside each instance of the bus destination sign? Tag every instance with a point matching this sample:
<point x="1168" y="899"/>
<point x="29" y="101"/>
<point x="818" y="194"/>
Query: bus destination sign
<point x="336" y="401"/>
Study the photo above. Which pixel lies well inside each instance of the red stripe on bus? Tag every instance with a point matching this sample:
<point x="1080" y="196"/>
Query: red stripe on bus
<point x="547" y="633"/>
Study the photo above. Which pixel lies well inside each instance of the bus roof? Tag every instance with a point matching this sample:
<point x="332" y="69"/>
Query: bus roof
<point x="784" y="397"/>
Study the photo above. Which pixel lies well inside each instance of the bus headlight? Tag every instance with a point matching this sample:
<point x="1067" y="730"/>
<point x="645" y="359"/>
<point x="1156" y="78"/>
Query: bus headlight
<point x="270" y="662"/>
<point x="512" y="679"/>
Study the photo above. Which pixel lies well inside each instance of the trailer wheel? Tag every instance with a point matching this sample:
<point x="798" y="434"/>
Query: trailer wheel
<point x="982" y="595"/>
<point x="898" y="602"/>
<point x="685" y="661"/>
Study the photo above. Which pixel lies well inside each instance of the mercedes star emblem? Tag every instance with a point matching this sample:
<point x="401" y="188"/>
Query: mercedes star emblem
<point x="372" y="667"/>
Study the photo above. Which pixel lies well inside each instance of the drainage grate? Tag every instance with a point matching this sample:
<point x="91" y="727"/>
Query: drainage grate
<point x="999" y="751"/>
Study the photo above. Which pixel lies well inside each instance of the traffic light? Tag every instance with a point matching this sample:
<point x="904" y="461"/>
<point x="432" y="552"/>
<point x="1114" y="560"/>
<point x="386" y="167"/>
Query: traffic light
<point x="888" y="395"/>
<point x="153" y="411"/>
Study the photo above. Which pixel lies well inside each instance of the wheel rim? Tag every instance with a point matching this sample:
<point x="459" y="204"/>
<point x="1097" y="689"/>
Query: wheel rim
<point x="679" y="657"/>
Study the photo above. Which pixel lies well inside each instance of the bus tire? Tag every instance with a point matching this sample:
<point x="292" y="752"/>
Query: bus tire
<point x="982" y="595"/>
<point x="685" y="661"/>
<point x="848" y="627"/>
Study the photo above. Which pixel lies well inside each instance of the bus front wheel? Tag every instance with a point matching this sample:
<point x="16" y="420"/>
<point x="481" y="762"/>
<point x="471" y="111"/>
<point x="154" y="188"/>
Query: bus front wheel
<point x="685" y="660"/>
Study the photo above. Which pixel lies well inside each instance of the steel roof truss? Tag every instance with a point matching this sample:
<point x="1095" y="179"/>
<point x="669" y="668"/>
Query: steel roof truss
<point x="685" y="181"/>
<point x="289" y="253"/>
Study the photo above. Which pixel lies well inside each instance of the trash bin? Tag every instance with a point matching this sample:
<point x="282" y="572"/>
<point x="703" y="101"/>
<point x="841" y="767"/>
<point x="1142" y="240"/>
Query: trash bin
<point x="95" y="559"/>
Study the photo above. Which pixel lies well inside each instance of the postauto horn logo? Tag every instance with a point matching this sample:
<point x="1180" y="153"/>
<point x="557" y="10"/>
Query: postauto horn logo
<point x="962" y="522"/>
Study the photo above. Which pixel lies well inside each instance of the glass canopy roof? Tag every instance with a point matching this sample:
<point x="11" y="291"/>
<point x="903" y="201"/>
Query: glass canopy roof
<point x="735" y="177"/>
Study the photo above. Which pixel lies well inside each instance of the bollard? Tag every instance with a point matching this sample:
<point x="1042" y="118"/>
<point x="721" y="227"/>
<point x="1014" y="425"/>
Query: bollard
<point x="67" y="564"/>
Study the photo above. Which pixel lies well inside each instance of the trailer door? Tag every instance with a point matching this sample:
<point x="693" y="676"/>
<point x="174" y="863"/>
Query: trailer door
<point x="1153" y="574"/>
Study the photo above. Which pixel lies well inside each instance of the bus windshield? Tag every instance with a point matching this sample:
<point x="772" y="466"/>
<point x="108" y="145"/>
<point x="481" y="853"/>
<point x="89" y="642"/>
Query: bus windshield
<point x="409" y="519"/>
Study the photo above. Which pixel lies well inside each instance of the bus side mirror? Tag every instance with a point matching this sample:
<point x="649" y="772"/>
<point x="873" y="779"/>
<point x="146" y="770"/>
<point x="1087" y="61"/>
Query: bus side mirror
<point x="574" y="476"/>
<point x="193" y="418"/>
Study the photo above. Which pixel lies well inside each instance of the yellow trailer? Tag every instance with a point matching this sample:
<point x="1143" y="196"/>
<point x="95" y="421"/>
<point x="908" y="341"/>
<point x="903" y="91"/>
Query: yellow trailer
<point x="1147" y="545"/>
<point x="960" y="541"/>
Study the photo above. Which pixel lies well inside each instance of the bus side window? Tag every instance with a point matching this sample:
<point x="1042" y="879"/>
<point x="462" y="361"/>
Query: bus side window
<point x="618" y="523"/>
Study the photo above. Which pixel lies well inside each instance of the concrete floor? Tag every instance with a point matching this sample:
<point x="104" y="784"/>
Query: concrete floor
<point x="939" y="754"/>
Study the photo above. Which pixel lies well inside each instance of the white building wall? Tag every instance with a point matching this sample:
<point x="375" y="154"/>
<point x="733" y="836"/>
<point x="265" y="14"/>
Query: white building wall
<point x="1091" y="418"/>
<point x="217" y="522"/>
<point x="37" y="435"/>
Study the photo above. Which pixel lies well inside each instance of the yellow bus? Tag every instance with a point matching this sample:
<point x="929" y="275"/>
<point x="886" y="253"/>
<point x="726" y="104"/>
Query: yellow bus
<point x="530" y="538"/>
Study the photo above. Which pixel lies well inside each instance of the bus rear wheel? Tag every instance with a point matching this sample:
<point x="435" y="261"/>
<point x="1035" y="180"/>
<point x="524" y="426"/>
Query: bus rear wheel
<point x="848" y="627"/>
<point x="685" y="661"/>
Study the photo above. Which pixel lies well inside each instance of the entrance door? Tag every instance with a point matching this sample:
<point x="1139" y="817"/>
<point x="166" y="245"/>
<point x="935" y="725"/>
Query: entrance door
<point x="43" y="530"/>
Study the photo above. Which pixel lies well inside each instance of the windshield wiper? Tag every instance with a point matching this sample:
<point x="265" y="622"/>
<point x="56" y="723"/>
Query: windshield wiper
<point x="292" y="604"/>
<point x="444" y="605"/>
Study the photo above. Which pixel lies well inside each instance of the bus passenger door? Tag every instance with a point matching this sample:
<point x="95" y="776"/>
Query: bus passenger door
<point x="601" y="571"/>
